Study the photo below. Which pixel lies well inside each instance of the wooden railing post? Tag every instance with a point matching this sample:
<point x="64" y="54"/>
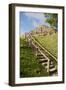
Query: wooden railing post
<point x="48" y="65"/>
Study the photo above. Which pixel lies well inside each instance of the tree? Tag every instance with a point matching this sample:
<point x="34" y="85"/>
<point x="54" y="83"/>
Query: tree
<point x="52" y="19"/>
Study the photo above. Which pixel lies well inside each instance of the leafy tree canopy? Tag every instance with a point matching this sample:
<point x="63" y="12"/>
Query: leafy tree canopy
<point x="52" y="19"/>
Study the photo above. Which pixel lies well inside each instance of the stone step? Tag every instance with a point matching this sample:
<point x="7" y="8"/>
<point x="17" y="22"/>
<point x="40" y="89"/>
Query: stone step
<point x="43" y="61"/>
<point x="39" y="54"/>
<point x="51" y="66"/>
<point x="40" y="57"/>
<point x="53" y="70"/>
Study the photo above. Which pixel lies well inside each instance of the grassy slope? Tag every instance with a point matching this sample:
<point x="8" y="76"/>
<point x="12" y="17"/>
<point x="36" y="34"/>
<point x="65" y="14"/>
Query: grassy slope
<point x="29" y="65"/>
<point x="49" y="42"/>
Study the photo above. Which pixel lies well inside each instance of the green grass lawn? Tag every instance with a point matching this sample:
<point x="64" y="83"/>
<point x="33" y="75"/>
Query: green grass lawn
<point x="29" y="64"/>
<point x="50" y="42"/>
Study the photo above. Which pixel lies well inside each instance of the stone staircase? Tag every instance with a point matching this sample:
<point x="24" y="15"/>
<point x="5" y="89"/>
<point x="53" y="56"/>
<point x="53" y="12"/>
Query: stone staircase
<point x="48" y="62"/>
<point x="52" y="69"/>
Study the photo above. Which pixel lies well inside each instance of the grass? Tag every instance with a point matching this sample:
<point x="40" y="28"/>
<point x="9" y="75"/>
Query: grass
<point x="49" y="42"/>
<point x="29" y="64"/>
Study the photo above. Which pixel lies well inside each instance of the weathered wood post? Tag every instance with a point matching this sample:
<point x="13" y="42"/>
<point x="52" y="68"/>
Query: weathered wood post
<point x="36" y="51"/>
<point x="48" y="65"/>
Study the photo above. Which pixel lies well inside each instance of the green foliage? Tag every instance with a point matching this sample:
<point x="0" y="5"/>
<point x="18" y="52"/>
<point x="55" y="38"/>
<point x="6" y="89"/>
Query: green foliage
<point x="52" y="19"/>
<point x="29" y="64"/>
<point x="49" y="42"/>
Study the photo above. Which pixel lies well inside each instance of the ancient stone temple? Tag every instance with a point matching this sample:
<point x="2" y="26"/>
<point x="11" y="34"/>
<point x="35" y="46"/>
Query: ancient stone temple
<point x="43" y="30"/>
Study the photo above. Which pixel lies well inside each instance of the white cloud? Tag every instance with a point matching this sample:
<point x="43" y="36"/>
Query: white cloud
<point x="36" y="16"/>
<point x="39" y="16"/>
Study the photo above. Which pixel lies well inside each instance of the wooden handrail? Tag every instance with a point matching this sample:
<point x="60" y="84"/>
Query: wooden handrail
<point x="43" y="48"/>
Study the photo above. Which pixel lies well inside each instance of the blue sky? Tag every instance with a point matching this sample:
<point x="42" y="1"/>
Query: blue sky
<point x="30" y="20"/>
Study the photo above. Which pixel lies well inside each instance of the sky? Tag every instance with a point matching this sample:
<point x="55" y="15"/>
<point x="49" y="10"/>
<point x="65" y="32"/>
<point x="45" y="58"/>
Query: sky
<point x="30" y="20"/>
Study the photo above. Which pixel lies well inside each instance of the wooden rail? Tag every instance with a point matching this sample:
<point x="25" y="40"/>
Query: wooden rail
<point x="45" y="60"/>
<point x="43" y="48"/>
